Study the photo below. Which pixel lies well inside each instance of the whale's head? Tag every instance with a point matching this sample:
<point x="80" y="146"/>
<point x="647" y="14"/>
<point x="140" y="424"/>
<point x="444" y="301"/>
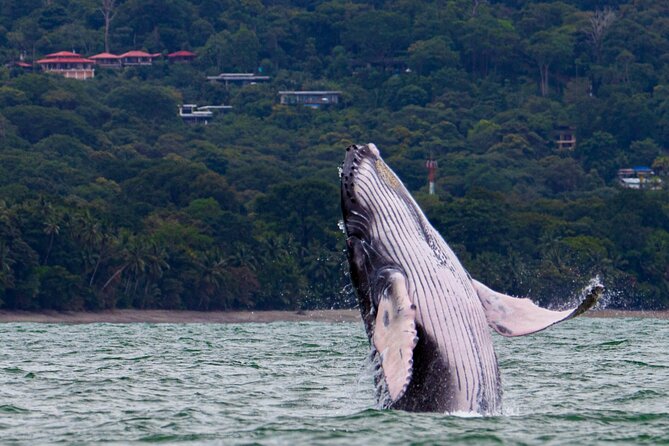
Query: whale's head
<point x="383" y="227"/>
<point x="370" y="190"/>
<point x="377" y="210"/>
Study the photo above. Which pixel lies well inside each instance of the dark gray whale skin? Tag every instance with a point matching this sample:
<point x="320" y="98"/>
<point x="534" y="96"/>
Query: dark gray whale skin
<point x="441" y="358"/>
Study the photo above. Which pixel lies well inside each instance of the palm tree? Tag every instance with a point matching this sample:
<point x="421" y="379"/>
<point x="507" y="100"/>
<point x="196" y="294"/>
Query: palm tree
<point x="213" y="270"/>
<point x="243" y="256"/>
<point x="4" y="212"/>
<point x="52" y="229"/>
<point x="88" y="232"/>
<point x="155" y="264"/>
<point x="6" y="270"/>
<point x="661" y="165"/>
<point x="131" y="258"/>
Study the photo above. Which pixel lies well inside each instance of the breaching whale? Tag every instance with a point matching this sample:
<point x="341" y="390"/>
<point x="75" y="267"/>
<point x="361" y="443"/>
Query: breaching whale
<point x="426" y="318"/>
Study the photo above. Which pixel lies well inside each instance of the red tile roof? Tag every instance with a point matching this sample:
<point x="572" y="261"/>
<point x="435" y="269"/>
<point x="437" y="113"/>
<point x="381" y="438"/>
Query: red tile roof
<point x="182" y="53"/>
<point x="105" y="56"/>
<point x="136" y="54"/>
<point x="62" y="59"/>
<point x="61" y="54"/>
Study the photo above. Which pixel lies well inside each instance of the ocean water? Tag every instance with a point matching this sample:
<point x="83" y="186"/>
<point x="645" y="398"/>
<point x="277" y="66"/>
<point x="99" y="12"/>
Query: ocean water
<point x="587" y="381"/>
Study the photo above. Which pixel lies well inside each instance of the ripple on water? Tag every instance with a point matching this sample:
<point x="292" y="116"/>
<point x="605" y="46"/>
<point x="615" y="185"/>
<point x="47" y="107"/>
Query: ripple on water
<point x="11" y="409"/>
<point x="586" y="381"/>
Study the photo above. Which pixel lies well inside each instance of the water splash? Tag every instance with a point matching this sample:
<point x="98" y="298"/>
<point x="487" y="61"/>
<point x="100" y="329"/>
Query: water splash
<point x="612" y="297"/>
<point x="577" y="298"/>
<point x="465" y="414"/>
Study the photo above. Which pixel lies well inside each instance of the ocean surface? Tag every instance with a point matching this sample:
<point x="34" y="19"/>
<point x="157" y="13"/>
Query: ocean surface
<point x="587" y="381"/>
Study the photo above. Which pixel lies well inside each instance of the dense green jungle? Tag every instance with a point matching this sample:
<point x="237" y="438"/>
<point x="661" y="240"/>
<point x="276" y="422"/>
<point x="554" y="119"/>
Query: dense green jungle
<point x="109" y="200"/>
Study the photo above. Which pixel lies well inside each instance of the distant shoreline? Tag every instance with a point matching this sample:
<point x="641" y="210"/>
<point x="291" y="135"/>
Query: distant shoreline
<point x="178" y="316"/>
<point x="230" y="317"/>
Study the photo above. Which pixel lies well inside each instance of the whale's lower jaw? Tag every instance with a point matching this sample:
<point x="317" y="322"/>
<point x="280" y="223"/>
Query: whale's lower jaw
<point x="431" y="386"/>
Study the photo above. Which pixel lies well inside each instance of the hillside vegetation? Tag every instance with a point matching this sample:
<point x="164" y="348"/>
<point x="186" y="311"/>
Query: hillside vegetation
<point x="108" y="200"/>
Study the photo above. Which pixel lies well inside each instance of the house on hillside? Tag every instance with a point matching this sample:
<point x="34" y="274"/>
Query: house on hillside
<point x="239" y="78"/>
<point x="565" y="138"/>
<point x="21" y="65"/>
<point x="137" y="58"/>
<point x="69" y="65"/>
<point x="314" y="99"/>
<point x="192" y="114"/>
<point x="181" y="57"/>
<point x="387" y="64"/>
<point x="107" y="60"/>
<point x="639" y="177"/>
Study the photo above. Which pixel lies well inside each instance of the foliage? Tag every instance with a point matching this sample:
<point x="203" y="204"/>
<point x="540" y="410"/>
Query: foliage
<point x="108" y="200"/>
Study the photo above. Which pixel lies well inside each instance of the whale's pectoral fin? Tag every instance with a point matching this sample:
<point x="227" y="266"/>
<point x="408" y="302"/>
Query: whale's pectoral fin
<point x="395" y="333"/>
<point x="512" y="316"/>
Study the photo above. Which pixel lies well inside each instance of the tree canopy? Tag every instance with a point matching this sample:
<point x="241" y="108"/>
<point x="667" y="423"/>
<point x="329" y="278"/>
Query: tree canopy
<point x="108" y="199"/>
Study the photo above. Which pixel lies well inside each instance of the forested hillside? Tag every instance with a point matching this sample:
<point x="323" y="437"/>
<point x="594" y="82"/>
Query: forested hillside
<point x="109" y="200"/>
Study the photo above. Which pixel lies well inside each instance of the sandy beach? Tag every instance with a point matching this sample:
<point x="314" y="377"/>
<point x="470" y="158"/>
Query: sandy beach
<point x="230" y="317"/>
<point x="178" y="317"/>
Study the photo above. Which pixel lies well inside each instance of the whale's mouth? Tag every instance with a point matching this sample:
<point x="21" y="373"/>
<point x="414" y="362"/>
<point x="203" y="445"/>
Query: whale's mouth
<point x="356" y="218"/>
<point x="356" y="156"/>
<point x="365" y="178"/>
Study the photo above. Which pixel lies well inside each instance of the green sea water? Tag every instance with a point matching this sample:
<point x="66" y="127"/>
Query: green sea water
<point x="587" y="381"/>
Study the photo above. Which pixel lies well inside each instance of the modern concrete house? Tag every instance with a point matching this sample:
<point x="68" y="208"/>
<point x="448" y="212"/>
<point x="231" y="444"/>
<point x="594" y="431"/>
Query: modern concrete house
<point x="192" y="114"/>
<point x="315" y="99"/>
<point x="639" y="177"/>
<point x="239" y="78"/>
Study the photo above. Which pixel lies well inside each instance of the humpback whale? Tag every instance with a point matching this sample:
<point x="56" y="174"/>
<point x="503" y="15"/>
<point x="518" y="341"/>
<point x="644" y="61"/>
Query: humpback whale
<point x="427" y="320"/>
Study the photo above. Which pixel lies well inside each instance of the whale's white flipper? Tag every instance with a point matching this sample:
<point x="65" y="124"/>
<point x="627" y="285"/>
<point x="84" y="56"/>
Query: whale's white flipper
<point x="512" y="316"/>
<point x="395" y="334"/>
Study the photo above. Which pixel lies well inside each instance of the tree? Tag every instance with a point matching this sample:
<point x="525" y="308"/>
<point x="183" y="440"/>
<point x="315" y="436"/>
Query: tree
<point x="488" y="43"/>
<point x="245" y="48"/>
<point x="218" y="50"/>
<point x="109" y="11"/>
<point x="153" y="104"/>
<point x="426" y="56"/>
<point x="307" y="209"/>
<point x="661" y="165"/>
<point x="35" y="123"/>
<point x="600" y="22"/>
<point x="59" y="289"/>
<point x="643" y="152"/>
<point x="409" y="95"/>
<point x="483" y="135"/>
<point x="51" y="229"/>
<point x="6" y="270"/>
<point x="377" y="34"/>
<point x="148" y="212"/>
<point x="213" y="277"/>
<point x="550" y="49"/>
<point x="600" y="152"/>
